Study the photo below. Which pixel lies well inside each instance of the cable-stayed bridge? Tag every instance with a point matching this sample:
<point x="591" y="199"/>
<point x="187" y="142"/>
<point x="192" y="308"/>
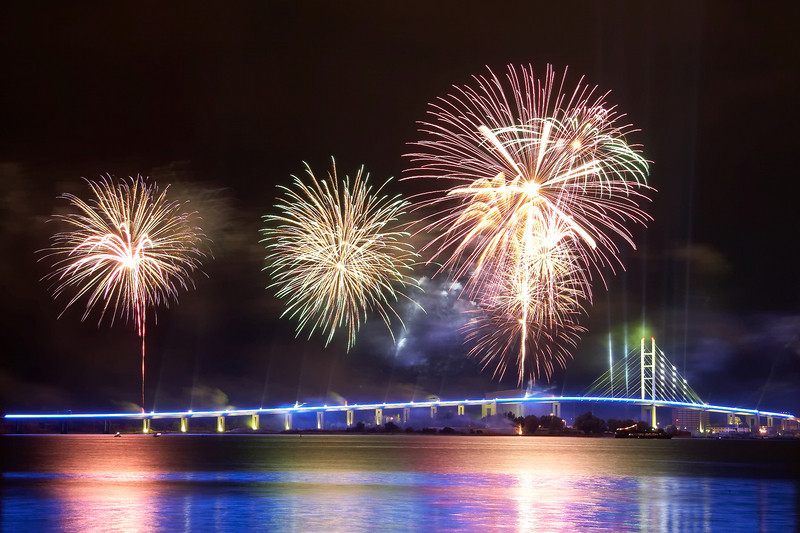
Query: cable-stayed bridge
<point x="647" y="375"/>
<point x="647" y="379"/>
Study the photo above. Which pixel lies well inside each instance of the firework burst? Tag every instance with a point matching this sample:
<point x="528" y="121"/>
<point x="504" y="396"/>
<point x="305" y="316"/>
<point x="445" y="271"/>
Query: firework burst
<point x="538" y="188"/>
<point x="335" y="253"/>
<point x="127" y="249"/>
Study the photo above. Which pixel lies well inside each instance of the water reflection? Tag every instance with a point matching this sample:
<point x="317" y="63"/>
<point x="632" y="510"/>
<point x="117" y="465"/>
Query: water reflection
<point x="403" y="483"/>
<point x="119" y="504"/>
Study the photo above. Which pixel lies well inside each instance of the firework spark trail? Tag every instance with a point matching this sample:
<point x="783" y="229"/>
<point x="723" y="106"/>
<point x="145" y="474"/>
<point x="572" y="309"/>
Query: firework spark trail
<point x="335" y="253"/>
<point x="495" y="338"/>
<point x="540" y="296"/>
<point x="521" y="161"/>
<point x="127" y="249"/>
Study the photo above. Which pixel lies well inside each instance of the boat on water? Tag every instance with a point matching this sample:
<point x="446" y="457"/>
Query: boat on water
<point x="635" y="432"/>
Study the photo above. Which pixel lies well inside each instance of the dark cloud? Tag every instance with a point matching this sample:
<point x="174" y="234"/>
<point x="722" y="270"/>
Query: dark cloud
<point x="757" y="355"/>
<point x="704" y="259"/>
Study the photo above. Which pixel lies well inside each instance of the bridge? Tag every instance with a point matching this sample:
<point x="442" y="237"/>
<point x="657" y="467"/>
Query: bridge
<point x="649" y="381"/>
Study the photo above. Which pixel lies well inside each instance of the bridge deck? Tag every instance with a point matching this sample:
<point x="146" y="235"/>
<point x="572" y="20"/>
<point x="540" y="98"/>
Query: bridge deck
<point x="394" y="405"/>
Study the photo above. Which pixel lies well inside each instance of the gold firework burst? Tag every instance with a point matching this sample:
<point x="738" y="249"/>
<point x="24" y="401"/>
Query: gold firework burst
<point x="127" y="249"/>
<point x="336" y="252"/>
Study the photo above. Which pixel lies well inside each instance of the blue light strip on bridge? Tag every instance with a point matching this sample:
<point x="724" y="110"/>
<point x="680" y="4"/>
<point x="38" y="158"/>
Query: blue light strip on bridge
<point x="398" y="405"/>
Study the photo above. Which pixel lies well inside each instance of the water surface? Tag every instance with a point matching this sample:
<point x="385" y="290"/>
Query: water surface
<point x="395" y="483"/>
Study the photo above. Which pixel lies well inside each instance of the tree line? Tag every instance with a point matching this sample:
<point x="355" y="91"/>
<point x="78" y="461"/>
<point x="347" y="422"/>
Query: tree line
<point x="586" y="423"/>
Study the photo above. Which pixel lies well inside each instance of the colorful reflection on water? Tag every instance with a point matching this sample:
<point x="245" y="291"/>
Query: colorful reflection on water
<point x="395" y="483"/>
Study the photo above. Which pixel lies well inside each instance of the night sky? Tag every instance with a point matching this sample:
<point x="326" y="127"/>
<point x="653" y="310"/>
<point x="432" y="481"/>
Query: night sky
<point x="226" y="100"/>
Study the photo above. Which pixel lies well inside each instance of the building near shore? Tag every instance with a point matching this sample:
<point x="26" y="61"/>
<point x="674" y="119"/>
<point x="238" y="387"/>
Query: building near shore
<point x="790" y="426"/>
<point x="692" y="420"/>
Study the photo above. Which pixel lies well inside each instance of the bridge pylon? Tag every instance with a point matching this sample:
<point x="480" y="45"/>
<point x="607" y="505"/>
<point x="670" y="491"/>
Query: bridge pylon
<point x="647" y="361"/>
<point x="653" y="378"/>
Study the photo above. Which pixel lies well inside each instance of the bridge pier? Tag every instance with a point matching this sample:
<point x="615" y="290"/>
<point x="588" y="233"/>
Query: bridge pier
<point x="287" y="421"/>
<point x="255" y="422"/>
<point x="557" y="409"/>
<point x="349" y="416"/>
<point x="320" y="419"/>
<point x="434" y="411"/>
<point x="649" y="414"/>
<point x="220" y="424"/>
<point x="735" y="419"/>
<point x="106" y="426"/>
<point x="488" y="409"/>
<point x="378" y="417"/>
<point x="145" y="425"/>
<point x="460" y="409"/>
<point x="184" y="424"/>
<point x="406" y="414"/>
